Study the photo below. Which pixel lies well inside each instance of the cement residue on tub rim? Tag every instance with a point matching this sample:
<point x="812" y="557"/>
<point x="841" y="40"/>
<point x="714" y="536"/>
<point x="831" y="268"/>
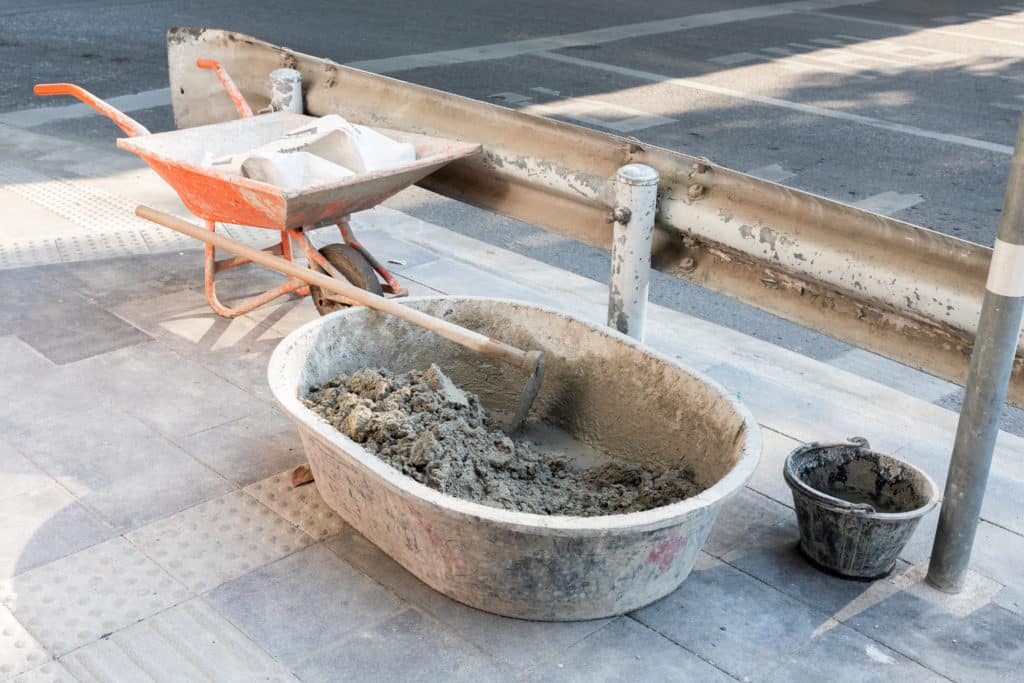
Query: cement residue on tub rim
<point x="515" y="563"/>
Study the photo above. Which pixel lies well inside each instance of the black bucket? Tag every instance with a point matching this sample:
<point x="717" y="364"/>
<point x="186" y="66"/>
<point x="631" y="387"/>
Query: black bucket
<point x="856" y="508"/>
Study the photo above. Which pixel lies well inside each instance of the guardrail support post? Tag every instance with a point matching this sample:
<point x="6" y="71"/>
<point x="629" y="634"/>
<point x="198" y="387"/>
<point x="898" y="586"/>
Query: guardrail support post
<point x="636" y="202"/>
<point x="987" y="380"/>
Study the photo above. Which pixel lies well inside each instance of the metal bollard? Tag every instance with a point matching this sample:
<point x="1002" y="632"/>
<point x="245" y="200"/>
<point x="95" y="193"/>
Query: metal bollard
<point x="636" y="202"/>
<point x="987" y="379"/>
<point x="286" y="90"/>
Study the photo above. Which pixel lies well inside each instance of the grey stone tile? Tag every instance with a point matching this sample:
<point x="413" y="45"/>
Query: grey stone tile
<point x="803" y="415"/>
<point x="893" y="374"/>
<point x="743" y="519"/>
<point x="986" y="645"/>
<point x="79" y="598"/>
<point x="58" y="322"/>
<point x="732" y="620"/>
<point x="514" y="643"/>
<point x="235" y="349"/>
<point x="406" y="647"/>
<point x="248" y="449"/>
<point x="221" y="539"/>
<point x="626" y="650"/>
<point x="773" y="556"/>
<point x="51" y="672"/>
<point x="170" y="393"/>
<point x="19" y="651"/>
<point x="302" y="604"/>
<point x="42" y="525"/>
<point x="454" y="277"/>
<point x="388" y="249"/>
<point x="116" y="464"/>
<point x="18" y="473"/>
<point x="848" y="657"/>
<point x="189" y="642"/>
<point x="113" y="281"/>
<point x="301" y="505"/>
<point x="768" y="479"/>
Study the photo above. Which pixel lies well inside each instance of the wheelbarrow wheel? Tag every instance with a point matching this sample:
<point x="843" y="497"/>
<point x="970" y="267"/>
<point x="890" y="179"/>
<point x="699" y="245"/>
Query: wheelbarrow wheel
<point x="356" y="269"/>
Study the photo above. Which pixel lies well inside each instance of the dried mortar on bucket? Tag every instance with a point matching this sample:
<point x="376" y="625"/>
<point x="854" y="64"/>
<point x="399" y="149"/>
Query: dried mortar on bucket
<point x="423" y="425"/>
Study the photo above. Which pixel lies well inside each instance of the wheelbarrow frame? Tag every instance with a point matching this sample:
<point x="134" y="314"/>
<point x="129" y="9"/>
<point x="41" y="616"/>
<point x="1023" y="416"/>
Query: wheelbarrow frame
<point x="217" y="197"/>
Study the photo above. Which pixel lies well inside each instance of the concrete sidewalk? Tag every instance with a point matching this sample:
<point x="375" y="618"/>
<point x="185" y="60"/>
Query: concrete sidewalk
<point x="147" y="527"/>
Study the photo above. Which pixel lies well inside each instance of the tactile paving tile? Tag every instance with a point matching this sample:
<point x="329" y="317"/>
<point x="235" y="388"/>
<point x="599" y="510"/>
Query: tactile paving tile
<point x="218" y="540"/>
<point x="302" y="506"/>
<point x="189" y="642"/>
<point x="51" y="672"/>
<point x="19" y="651"/>
<point x="86" y="247"/>
<point x="29" y="253"/>
<point x="82" y="204"/>
<point x="79" y="598"/>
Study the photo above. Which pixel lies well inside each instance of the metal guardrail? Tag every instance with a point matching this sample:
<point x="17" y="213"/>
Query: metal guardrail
<point x="905" y="292"/>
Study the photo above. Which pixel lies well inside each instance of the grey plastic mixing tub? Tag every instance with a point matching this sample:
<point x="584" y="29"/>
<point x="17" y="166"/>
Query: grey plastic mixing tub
<point x="600" y="386"/>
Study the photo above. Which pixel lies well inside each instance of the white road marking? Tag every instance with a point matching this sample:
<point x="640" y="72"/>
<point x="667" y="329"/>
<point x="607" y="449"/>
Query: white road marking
<point x="598" y="113"/>
<point x="888" y="203"/>
<point x="818" y="63"/>
<point x="547" y="91"/>
<point x="920" y="30"/>
<point x="594" y="37"/>
<point x="785" y="104"/>
<point x="772" y="173"/>
<point x="736" y="58"/>
<point x="37" y="116"/>
<point x="878" y="655"/>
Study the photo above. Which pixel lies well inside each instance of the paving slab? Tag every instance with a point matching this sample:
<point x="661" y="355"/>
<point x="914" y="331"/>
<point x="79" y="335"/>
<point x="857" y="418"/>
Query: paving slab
<point x="80" y="598"/>
<point x="514" y="643"/>
<point x="248" y="449"/>
<point x="768" y="479"/>
<point x="116" y="464"/>
<point x="45" y="524"/>
<point x="305" y="604"/>
<point x="300" y="505"/>
<point x="19" y="651"/>
<point x="406" y="647"/>
<point x="20" y="475"/>
<point x="219" y="540"/>
<point x="743" y="519"/>
<point x="623" y="650"/>
<point x="51" y="672"/>
<point x="846" y="656"/>
<point x="987" y="645"/>
<point x="59" y="323"/>
<point x="136" y="380"/>
<point x="188" y="642"/>
<point x="732" y="620"/>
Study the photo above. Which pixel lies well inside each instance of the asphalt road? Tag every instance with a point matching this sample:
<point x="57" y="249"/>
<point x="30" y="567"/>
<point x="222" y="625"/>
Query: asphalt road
<point x="800" y="93"/>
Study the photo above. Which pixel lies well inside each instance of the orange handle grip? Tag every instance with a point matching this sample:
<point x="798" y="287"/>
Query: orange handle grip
<point x="54" y="89"/>
<point x="229" y="85"/>
<point x="126" y="123"/>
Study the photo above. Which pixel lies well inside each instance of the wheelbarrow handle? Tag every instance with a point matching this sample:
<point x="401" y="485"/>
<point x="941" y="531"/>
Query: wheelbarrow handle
<point x="229" y="85"/>
<point x="126" y="123"/>
<point x="531" y="361"/>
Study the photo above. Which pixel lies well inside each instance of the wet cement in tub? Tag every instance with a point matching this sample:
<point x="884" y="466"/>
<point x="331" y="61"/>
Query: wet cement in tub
<point x="423" y="425"/>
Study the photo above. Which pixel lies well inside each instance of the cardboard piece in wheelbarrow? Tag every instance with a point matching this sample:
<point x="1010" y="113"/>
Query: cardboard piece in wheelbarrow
<point x="323" y="151"/>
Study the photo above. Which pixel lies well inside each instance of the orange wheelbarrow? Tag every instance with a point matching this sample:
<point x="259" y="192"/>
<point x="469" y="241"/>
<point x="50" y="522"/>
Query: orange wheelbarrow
<point x="217" y="197"/>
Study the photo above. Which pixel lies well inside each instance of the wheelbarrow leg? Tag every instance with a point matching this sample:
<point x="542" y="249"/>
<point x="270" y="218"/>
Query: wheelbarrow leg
<point x="210" y="283"/>
<point x="390" y="281"/>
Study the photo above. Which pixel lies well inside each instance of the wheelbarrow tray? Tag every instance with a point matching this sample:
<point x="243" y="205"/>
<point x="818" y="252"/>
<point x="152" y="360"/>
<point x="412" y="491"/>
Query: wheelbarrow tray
<point x="178" y="156"/>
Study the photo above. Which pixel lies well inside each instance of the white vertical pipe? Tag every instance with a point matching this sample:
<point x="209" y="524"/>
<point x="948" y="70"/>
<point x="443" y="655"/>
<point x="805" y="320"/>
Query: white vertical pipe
<point x="636" y="199"/>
